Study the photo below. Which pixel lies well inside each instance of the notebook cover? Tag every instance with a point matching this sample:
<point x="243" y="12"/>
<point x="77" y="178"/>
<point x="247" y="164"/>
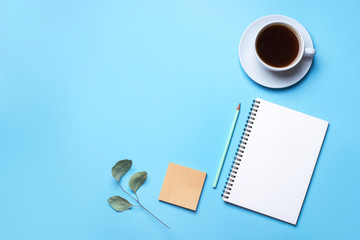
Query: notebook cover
<point x="278" y="162"/>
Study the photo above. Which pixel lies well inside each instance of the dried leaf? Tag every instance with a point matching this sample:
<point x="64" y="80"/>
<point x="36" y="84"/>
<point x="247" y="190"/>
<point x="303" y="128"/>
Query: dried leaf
<point x="137" y="180"/>
<point x="121" y="168"/>
<point x="119" y="204"/>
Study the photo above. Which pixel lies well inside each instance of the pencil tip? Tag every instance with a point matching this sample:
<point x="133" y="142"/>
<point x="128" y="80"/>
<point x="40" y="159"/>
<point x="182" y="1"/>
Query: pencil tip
<point x="238" y="108"/>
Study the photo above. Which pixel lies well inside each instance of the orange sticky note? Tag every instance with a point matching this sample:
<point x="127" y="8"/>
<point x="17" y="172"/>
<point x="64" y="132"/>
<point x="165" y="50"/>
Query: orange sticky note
<point x="182" y="186"/>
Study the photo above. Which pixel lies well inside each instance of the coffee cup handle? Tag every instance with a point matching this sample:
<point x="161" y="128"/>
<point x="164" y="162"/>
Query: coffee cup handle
<point x="309" y="52"/>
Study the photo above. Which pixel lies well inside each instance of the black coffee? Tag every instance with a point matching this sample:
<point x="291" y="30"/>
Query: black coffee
<point x="277" y="45"/>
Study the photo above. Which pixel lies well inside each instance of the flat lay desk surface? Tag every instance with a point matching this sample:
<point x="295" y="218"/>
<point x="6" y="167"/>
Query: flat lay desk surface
<point x="84" y="84"/>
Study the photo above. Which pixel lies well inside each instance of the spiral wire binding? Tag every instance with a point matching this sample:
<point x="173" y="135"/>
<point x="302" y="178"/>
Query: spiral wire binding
<point x="241" y="148"/>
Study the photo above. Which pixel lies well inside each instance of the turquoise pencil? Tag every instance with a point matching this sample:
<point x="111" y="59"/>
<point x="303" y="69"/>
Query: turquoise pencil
<point x="226" y="147"/>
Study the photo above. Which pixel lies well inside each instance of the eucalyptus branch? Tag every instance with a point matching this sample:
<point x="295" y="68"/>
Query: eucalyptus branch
<point x="136" y="181"/>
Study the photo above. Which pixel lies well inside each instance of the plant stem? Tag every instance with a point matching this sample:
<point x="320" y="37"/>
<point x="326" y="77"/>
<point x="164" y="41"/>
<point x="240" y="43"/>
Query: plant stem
<point x="153" y="215"/>
<point x="129" y="195"/>
<point x="137" y="200"/>
<point x="137" y="197"/>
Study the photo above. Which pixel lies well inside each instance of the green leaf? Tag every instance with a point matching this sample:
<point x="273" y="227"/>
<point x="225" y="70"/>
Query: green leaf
<point x="121" y="168"/>
<point x="137" y="180"/>
<point x="119" y="204"/>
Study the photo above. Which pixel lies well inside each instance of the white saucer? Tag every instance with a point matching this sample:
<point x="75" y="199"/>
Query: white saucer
<point x="256" y="71"/>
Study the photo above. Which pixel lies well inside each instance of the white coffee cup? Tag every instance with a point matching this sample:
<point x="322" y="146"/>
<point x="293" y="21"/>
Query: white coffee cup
<point x="302" y="50"/>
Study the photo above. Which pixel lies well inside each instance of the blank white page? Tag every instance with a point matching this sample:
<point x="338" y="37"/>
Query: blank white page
<point x="278" y="162"/>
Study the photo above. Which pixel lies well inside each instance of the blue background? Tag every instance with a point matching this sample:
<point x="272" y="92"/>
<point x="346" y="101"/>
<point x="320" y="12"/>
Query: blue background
<point x="84" y="84"/>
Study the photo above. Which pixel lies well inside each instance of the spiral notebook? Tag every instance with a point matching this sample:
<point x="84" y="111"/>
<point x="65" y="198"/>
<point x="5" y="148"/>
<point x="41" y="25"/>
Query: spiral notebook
<point x="275" y="161"/>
